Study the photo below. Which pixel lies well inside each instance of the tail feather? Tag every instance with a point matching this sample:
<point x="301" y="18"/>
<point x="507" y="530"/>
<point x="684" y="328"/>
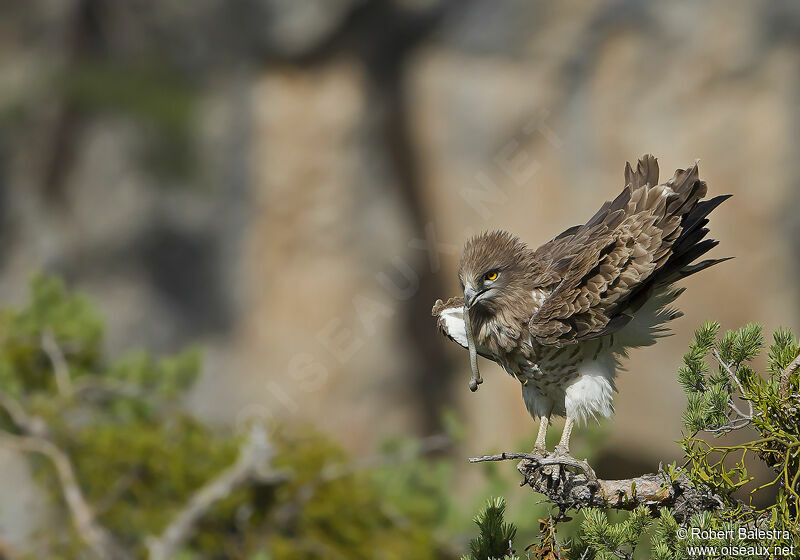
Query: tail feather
<point x="697" y="216"/>
<point x="646" y="172"/>
<point x="693" y="251"/>
<point x="691" y="269"/>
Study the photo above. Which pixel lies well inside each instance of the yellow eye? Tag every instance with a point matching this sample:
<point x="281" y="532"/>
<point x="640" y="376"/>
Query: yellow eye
<point x="490" y="276"/>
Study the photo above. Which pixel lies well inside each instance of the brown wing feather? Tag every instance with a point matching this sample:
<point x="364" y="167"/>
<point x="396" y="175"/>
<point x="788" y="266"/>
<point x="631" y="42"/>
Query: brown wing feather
<point x="598" y="273"/>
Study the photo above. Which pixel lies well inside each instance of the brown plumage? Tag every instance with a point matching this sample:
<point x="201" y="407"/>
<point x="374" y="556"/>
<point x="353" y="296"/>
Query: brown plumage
<point x="558" y="317"/>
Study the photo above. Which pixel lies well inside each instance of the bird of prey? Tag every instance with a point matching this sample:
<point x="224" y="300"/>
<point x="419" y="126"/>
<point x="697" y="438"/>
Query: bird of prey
<point x="560" y="317"/>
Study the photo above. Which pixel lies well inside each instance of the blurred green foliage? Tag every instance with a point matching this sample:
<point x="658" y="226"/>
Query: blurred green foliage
<point x="139" y="455"/>
<point x="24" y="368"/>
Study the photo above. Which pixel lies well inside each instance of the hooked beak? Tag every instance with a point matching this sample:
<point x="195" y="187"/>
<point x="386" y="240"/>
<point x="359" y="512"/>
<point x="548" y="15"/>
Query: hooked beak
<point x="471" y="296"/>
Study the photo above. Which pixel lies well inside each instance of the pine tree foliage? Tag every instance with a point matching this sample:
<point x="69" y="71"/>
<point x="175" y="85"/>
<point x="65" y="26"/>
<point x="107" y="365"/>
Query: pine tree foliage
<point x="600" y="539"/>
<point x="495" y="536"/>
<point x="766" y="403"/>
<point x="664" y="538"/>
<point x="692" y="375"/>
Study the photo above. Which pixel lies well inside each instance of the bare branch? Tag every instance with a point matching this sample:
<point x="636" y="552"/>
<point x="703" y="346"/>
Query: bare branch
<point x="31" y="425"/>
<point x="253" y="465"/>
<point x="738" y="383"/>
<point x="787" y="373"/>
<point x="99" y="541"/>
<point x="59" y="362"/>
<point x="34" y="440"/>
<point x="732" y="425"/>
<point x="541" y="461"/>
<point x="577" y="490"/>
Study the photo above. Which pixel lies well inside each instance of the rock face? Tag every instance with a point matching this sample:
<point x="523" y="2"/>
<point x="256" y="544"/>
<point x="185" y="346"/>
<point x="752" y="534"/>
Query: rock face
<point x="291" y="182"/>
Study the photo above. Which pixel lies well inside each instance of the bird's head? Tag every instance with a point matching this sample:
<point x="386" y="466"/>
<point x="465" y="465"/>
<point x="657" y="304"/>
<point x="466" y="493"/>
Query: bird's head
<point x="493" y="269"/>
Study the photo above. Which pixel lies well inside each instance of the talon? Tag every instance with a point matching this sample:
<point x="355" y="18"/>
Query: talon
<point x="553" y="475"/>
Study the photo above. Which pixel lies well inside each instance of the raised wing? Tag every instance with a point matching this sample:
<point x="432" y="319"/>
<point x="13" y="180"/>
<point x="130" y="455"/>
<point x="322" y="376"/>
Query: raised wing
<point x="599" y="274"/>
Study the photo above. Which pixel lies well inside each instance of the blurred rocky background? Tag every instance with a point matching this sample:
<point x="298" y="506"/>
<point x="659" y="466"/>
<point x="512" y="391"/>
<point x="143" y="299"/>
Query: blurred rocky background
<point x="289" y="184"/>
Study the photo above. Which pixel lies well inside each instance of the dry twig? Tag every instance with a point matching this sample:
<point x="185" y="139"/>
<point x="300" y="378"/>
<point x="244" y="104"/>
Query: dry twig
<point x="25" y="423"/>
<point x="746" y="417"/>
<point x="33" y="439"/>
<point x="99" y="541"/>
<point x="59" y="361"/>
<point x="576" y="490"/>
<point x="254" y="464"/>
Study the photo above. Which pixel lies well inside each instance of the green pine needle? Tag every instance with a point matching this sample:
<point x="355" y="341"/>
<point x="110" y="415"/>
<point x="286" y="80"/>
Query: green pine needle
<point x="494" y="534"/>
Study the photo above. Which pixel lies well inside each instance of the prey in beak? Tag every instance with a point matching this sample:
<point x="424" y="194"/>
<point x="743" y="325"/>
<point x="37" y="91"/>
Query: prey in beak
<point x="470" y="296"/>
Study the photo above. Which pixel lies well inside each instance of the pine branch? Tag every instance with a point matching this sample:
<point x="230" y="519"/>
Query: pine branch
<point x="582" y="489"/>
